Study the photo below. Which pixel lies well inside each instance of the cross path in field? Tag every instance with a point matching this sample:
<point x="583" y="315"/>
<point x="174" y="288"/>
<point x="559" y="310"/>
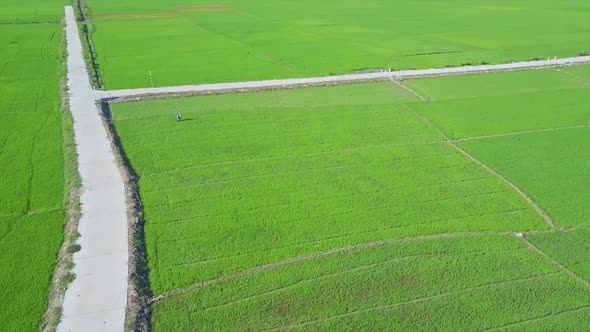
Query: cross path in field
<point x="96" y="299"/>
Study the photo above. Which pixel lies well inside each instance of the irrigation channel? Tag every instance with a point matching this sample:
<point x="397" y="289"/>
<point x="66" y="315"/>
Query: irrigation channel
<point x="96" y="300"/>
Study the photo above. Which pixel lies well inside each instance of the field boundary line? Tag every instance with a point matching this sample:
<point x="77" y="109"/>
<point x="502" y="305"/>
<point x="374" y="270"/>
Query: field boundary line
<point x="338" y="79"/>
<point x="519" y="133"/>
<point x="557" y="264"/>
<point x="407" y="88"/>
<point x="413" y="301"/>
<point x="334" y="251"/>
<point x="565" y="312"/>
<point x="355" y="269"/>
<point x="488" y="169"/>
<point x="527" y="198"/>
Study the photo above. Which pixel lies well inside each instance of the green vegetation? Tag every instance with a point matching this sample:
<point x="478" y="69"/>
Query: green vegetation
<point x="191" y="41"/>
<point x="343" y="208"/>
<point x="452" y="284"/>
<point x="32" y="193"/>
<point x="569" y="248"/>
<point x="245" y="180"/>
<point x="553" y="167"/>
<point x="32" y="11"/>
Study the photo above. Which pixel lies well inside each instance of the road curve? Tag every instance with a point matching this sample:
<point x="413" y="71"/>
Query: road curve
<point x="292" y="82"/>
<point x="96" y="299"/>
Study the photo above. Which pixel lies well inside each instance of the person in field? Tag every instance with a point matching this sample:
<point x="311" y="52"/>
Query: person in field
<point x="178" y="116"/>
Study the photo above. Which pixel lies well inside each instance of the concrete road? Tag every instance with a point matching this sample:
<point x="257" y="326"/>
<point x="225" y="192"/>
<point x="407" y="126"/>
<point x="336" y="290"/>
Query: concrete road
<point x="96" y="300"/>
<point x="401" y="74"/>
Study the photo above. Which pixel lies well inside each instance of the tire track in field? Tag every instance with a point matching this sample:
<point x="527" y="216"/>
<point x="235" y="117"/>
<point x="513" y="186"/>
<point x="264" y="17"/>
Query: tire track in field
<point x="356" y="269"/>
<point x="557" y="264"/>
<point x="414" y="301"/>
<point x="537" y="319"/>
<point x="548" y="220"/>
<point x="343" y="236"/>
<point x="334" y="251"/>
<point x="32" y="154"/>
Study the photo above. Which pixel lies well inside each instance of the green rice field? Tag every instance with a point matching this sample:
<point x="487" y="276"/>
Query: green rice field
<point x="346" y="207"/>
<point x="32" y="194"/>
<point x="196" y="41"/>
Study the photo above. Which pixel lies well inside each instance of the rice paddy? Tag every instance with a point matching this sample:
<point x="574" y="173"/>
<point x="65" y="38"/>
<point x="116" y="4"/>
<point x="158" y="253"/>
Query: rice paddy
<point x="173" y="42"/>
<point x="448" y="203"/>
<point x="32" y="185"/>
<point x="343" y="207"/>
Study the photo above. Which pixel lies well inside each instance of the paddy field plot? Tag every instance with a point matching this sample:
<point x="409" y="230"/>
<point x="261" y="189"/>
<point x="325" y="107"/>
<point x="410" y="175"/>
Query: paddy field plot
<point x="548" y="162"/>
<point x="338" y="207"/>
<point x="451" y="284"/>
<point x="32" y="198"/>
<point x="195" y="41"/>
<point x="536" y="133"/>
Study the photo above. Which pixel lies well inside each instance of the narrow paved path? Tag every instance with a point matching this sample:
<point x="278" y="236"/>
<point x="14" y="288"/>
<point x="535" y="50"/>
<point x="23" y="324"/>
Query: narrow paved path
<point x="402" y="74"/>
<point x="96" y="300"/>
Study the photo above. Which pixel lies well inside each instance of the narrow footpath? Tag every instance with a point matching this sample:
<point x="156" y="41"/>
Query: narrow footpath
<point x="96" y="299"/>
<point x="295" y="82"/>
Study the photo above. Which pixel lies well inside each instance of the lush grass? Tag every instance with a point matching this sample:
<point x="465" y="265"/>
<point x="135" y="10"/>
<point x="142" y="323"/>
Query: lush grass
<point x="504" y="103"/>
<point x="189" y="41"/>
<point x="246" y="180"/>
<point x="570" y="248"/>
<point x="31" y="163"/>
<point x="501" y="84"/>
<point x="552" y="167"/>
<point x="32" y="11"/>
<point x="496" y="115"/>
<point x="457" y="284"/>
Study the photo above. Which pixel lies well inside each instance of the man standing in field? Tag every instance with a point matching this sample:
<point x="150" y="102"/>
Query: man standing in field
<point x="178" y="116"/>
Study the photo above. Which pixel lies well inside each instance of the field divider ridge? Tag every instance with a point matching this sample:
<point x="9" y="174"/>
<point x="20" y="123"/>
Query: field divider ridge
<point x="519" y="133"/>
<point x="413" y="301"/>
<point x="408" y="89"/>
<point x="537" y="319"/>
<point x="548" y="220"/>
<point x="557" y="264"/>
<point x="527" y="198"/>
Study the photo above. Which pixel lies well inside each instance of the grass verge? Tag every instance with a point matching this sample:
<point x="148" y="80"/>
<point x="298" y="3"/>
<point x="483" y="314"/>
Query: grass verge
<point x="86" y="27"/>
<point x="63" y="275"/>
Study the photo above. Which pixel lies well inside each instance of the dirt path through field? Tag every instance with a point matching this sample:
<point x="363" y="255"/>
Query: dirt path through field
<point x="96" y="299"/>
